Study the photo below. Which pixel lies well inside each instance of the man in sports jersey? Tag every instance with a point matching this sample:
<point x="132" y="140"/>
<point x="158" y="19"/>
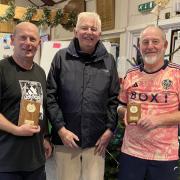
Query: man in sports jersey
<point x="22" y="148"/>
<point x="150" y="146"/>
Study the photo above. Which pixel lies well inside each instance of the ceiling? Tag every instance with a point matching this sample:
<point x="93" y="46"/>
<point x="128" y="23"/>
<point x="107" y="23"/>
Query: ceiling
<point x="41" y="3"/>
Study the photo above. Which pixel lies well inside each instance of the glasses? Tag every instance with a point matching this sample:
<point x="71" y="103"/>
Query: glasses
<point x="87" y="28"/>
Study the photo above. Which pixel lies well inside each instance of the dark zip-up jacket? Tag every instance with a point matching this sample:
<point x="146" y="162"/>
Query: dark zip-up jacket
<point x="82" y="93"/>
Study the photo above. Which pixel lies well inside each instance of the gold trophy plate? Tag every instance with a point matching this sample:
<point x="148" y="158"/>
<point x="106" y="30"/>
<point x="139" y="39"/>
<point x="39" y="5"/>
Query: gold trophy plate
<point x="133" y="112"/>
<point x="29" y="112"/>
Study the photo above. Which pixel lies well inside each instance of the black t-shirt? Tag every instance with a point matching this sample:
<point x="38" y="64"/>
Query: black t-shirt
<point x="19" y="153"/>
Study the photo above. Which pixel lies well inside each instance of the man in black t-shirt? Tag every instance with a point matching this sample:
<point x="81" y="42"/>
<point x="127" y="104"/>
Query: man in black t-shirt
<point x="23" y="148"/>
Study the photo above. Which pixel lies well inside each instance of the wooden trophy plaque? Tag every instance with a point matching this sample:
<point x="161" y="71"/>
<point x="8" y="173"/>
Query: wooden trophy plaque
<point x="29" y="112"/>
<point x="133" y="112"/>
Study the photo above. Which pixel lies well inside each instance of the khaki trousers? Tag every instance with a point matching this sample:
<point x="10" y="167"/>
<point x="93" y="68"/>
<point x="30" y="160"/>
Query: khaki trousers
<point x="78" y="164"/>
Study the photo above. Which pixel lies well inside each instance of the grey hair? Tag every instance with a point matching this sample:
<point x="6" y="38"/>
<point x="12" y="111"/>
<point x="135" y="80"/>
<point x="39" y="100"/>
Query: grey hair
<point x="92" y="15"/>
<point x="154" y="26"/>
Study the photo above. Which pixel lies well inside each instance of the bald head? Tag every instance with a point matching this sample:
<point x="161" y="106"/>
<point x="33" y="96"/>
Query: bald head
<point x="153" y="28"/>
<point x="26" y="25"/>
<point x="25" y="40"/>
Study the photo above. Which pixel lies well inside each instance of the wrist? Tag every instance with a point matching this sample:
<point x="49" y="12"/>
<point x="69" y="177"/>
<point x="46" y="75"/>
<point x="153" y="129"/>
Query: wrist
<point x="15" y="130"/>
<point x="61" y="131"/>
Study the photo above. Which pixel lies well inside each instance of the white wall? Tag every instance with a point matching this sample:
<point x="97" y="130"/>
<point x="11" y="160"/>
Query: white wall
<point x="135" y="17"/>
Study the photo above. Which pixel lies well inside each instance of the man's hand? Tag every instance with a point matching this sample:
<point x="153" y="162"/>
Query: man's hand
<point x="103" y="142"/>
<point x="122" y="111"/>
<point x="26" y="130"/>
<point x="68" y="138"/>
<point x="47" y="148"/>
<point x="23" y="130"/>
<point x="149" y="123"/>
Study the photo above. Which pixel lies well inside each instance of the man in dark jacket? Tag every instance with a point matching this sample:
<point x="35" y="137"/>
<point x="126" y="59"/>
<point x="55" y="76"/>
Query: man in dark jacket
<point x="82" y="89"/>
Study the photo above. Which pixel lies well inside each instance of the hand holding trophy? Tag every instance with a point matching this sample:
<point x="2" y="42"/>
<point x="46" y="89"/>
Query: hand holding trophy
<point x="133" y="112"/>
<point x="29" y="112"/>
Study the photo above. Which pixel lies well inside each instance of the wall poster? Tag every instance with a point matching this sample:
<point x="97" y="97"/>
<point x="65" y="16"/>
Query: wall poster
<point x="5" y="45"/>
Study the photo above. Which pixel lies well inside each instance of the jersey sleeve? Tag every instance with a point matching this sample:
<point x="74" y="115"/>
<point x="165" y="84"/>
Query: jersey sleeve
<point x="123" y="95"/>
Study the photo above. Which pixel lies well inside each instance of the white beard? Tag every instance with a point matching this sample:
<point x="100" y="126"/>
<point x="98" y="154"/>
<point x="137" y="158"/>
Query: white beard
<point x="150" y="59"/>
<point x="153" y="59"/>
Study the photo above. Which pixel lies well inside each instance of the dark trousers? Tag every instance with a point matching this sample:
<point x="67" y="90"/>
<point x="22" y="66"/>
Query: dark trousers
<point x="132" y="168"/>
<point x="38" y="174"/>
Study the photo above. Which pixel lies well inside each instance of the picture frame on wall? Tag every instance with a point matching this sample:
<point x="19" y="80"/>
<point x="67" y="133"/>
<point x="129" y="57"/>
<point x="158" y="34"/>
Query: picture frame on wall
<point x="175" y="46"/>
<point x="106" y="10"/>
<point x="44" y="38"/>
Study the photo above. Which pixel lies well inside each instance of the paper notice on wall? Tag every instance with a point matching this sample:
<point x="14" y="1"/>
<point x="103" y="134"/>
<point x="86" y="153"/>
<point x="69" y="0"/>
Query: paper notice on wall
<point x="49" y="49"/>
<point x="5" y="45"/>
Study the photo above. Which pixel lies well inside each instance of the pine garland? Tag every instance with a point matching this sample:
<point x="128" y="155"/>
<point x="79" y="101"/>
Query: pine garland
<point x="71" y="21"/>
<point x="58" y="18"/>
<point x="46" y="18"/>
<point x="31" y="11"/>
<point x="10" y="12"/>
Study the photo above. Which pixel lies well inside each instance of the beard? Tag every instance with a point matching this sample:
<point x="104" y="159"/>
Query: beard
<point x="153" y="59"/>
<point x="150" y="59"/>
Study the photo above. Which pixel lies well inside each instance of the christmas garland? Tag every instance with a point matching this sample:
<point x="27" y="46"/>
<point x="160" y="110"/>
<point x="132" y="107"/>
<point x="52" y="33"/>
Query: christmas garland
<point x="10" y="12"/>
<point x="45" y="20"/>
<point x="71" y="21"/>
<point x="58" y="18"/>
<point x="31" y="11"/>
<point x="67" y="20"/>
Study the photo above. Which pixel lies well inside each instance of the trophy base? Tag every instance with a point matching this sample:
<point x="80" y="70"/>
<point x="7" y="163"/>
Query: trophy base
<point x="133" y="112"/>
<point x="29" y="113"/>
